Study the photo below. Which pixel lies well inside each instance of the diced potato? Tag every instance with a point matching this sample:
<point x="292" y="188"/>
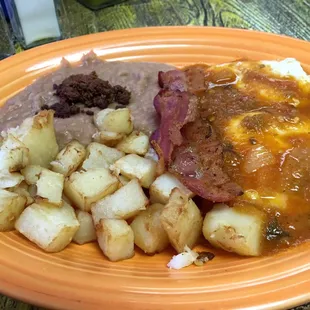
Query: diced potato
<point x="108" y="138"/>
<point x="126" y="202"/>
<point x="86" y="233"/>
<point x="8" y="180"/>
<point x="182" y="221"/>
<point x="69" y="158"/>
<point x="32" y="173"/>
<point x="123" y="180"/>
<point x="14" y="155"/>
<point x="116" y="239"/>
<point x="136" y="143"/>
<point x="161" y="188"/>
<point x="149" y="234"/>
<point x="38" y="135"/>
<point x="52" y="229"/>
<point x="86" y="187"/>
<point x="133" y="166"/>
<point x="32" y="190"/>
<point x="22" y="190"/>
<point x="100" y="156"/>
<point x="11" y="206"/>
<point x="50" y="186"/>
<point x="234" y="229"/>
<point x="119" y="120"/>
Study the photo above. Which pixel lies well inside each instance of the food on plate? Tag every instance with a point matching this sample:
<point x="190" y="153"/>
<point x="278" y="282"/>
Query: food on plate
<point x="182" y="221"/>
<point x="149" y="233"/>
<point x="237" y="229"/>
<point x="125" y="203"/>
<point x="134" y="166"/>
<point x="116" y="239"/>
<point x="69" y="158"/>
<point x="119" y="121"/>
<point x="108" y="138"/>
<point x="14" y="155"/>
<point x="86" y="232"/>
<point x="100" y="156"/>
<point x="34" y="129"/>
<point x="8" y="180"/>
<point x="23" y="190"/>
<point x="50" y="187"/>
<point x="52" y="229"/>
<point x="11" y="206"/>
<point x="155" y="156"/>
<point x="136" y="143"/>
<point x="86" y="187"/>
<point x="161" y="188"/>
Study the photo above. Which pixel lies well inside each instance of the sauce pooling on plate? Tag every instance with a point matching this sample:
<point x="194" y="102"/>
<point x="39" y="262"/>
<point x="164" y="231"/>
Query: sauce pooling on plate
<point x="261" y="112"/>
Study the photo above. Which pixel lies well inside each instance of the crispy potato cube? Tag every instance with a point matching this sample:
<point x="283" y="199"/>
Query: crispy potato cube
<point x="11" y="206"/>
<point x="119" y="120"/>
<point x="133" y="166"/>
<point x="181" y="220"/>
<point x="86" y="187"/>
<point x="14" y="155"/>
<point x="100" y="156"/>
<point x="123" y="180"/>
<point x="149" y="234"/>
<point x="116" y="239"/>
<point x="52" y="229"/>
<point x="32" y="173"/>
<point x="22" y="190"/>
<point x="136" y="143"/>
<point x="69" y="158"/>
<point x="108" y="138"/>
<point x="161" y="188"/>
<point x="86" y="233"/>
<point x="235" y="229"/>
<point x="38" y="135"/>
<point x="8" y="180"/>
<point x="50" y="186"/>
<point x="126" y="202"/>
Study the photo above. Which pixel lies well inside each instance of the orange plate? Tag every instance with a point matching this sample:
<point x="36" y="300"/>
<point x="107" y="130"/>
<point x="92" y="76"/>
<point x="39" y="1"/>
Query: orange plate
<point x="80" y="277"/>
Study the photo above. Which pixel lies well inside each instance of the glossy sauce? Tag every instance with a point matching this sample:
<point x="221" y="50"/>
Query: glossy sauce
<point x="263" y="121"/>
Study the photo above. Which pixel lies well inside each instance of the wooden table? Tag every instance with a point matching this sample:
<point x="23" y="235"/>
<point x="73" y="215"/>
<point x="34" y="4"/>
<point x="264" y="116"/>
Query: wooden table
<point x="289" y="17"/>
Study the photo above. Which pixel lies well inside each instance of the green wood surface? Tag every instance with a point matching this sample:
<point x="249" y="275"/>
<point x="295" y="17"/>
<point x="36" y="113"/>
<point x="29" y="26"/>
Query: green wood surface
<point x="289" y="17"/>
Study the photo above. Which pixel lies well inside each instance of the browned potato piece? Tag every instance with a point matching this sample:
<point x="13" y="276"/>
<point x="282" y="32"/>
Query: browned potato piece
<point x="69" y="158"/>
<point x="14" y="155"/>
<point x="239" y="230"/>
<point x="23" y="190"/>
<point x="108" y="138"/>
<point x="150" y="236"/>
<point x="86" y="233"/>
<point x="11" y="206"/>
<point x="126" y="202"/>
<point x="50" y="186"/>
<point x="86" y="187"/>
<point x="136" y="143"/>
<point x="114" y="120"/>
<point x="32" y="173"/>
<point x="116" y="239"/>
<point x="8" y="180"/>
<point x="37" y="133"/>
<point x="181" y="220"/>
<point x="161" y="188"/>
<point x="100" y="156"/>
<point x="133" y="166"/>
<point x="52" y="229"/>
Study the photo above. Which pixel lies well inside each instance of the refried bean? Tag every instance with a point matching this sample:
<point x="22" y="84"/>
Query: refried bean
<point x="140" y="79"/>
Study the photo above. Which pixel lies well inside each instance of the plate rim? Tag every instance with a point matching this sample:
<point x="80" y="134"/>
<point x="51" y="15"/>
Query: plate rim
<point x="56" y="47"/>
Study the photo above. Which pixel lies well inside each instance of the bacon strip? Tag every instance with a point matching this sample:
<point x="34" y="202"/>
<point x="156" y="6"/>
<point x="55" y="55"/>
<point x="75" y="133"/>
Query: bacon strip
<point x="188" y="145"/>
